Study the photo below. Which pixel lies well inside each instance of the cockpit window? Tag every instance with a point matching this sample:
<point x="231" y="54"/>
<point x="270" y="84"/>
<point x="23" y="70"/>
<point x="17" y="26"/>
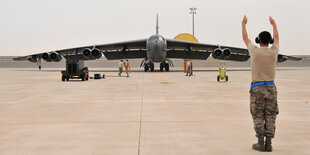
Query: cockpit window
<point x="156" y="37"/>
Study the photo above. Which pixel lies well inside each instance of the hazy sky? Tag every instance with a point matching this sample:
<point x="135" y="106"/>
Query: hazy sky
<point x="32" y="26"/>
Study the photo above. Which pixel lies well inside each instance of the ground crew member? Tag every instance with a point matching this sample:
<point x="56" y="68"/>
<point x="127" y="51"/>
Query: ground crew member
<point x="120" y="67"/>
<point x="128" y="65"/>
<point x="188" y="68"/>
<point x="264" y="107"/>
<point x="191" y="73"/>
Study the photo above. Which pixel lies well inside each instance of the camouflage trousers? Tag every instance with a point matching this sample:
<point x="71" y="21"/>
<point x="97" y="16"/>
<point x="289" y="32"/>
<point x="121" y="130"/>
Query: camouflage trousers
<point x="264" y="109"/>
<point x="188" y="71"/>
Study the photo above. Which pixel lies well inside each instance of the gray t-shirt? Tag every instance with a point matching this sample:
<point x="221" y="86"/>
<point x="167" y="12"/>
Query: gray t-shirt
<point x="263" y="62"/>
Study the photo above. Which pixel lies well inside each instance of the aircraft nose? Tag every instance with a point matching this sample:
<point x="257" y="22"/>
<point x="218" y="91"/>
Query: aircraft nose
<point x="156" y="44"/>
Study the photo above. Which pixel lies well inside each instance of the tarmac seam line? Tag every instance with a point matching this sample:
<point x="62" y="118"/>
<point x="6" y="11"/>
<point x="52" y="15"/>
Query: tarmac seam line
<point x="140" y="124"/>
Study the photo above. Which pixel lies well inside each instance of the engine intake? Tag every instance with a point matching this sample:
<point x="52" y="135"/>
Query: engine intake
<point x="282" y="58"/>
<point x="32" y="59"/>
<point x="226" y="53"/>
<point x="55" y="57"/>
<point x="92" y="54"/>
<point x="96" y="53"/>
<point x="221" y="54"/>
<point x="216" y="54"/>
<point x="46" y="57"/>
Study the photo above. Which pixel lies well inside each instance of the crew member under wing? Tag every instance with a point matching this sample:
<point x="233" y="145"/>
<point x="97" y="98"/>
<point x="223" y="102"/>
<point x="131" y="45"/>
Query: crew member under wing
<point x="155" y="49"/>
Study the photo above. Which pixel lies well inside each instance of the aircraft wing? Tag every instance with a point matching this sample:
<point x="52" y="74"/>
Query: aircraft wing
<point x="192" y="50"/>
<point x="121" y="50"/>
<point x="23" y="58"/>
<point x="70" y="51"/>
<point x="124" y="50"/>
<point x="282" y="58"/>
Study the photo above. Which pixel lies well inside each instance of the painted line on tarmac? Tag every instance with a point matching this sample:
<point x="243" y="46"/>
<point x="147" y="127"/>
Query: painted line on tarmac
<point x="226" y="91"/>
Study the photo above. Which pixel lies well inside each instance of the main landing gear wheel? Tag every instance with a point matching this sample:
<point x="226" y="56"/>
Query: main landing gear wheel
<point x="167" y="67"/>
<point x="161" y="67"/>
<point x="152" y="67"/>
<point x="64" y="78"/>
<point x="83" y="77"/>
<point x="146" y="67"/>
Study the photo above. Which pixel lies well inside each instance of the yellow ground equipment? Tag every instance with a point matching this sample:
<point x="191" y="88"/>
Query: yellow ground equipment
<point x="222" y="73"/>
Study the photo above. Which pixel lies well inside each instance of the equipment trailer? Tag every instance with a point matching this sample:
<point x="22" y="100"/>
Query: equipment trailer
<point x="75" y="70"/>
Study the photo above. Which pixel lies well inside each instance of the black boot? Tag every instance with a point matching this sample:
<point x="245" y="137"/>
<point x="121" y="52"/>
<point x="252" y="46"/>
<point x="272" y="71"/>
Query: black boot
<point x="259" y="146"/>
<point x="268" y="146"/>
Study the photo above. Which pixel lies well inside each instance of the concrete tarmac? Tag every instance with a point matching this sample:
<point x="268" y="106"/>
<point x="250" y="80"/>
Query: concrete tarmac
<point x="152" y="113"/>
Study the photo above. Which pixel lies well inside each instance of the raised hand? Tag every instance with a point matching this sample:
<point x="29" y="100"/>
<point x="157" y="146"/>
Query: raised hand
<point x="275" y="30"/>
<point x="272" y="22"/>
<point x="245" y="36"/>
<point x="245" y="20"/>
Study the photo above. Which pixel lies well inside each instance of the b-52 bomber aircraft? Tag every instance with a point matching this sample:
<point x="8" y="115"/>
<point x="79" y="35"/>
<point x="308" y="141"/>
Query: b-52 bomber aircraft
<point x="155" y="49"/>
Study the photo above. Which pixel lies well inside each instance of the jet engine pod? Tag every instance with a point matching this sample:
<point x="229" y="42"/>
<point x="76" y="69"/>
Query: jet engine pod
<point x="282" y="58"/>
<point x="87" y="53"/>
<point x="55" y="57"/>
<point x="92" y="54"/>
<point x="32" y="59"/>
<point x="217" y="53"/>
<point x="96" y="53"/>
<point x="46" y="57"/>
<point x="226" y="53"/>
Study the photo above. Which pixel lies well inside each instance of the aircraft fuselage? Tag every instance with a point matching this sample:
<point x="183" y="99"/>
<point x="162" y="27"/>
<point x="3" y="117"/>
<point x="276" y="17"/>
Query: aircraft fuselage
<point x="156" y="48"/>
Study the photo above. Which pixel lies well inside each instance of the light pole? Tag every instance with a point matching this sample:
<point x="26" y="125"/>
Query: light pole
<point x="193" y="11"/>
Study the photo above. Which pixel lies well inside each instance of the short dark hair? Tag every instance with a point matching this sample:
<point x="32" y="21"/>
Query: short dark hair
<point x="265" y="37"/>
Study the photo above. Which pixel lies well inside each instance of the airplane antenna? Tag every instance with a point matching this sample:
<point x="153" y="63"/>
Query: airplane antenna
<point x="157" y="25"/>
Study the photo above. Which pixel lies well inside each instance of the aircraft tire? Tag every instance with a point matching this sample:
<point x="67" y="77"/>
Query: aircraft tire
<point x="63" y="78"/>
<point x="152" y="67"/>
<point x="226" y="78"/>
<point x="146" y="68"/>
<point x="83" y="77"/>
<point x="167" y="67"/>
<point x="161" y="67"/>
<point x="218" y="78"/>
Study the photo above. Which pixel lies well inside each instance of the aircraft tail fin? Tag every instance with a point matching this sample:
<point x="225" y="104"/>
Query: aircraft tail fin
<point x="157" y="25"/>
